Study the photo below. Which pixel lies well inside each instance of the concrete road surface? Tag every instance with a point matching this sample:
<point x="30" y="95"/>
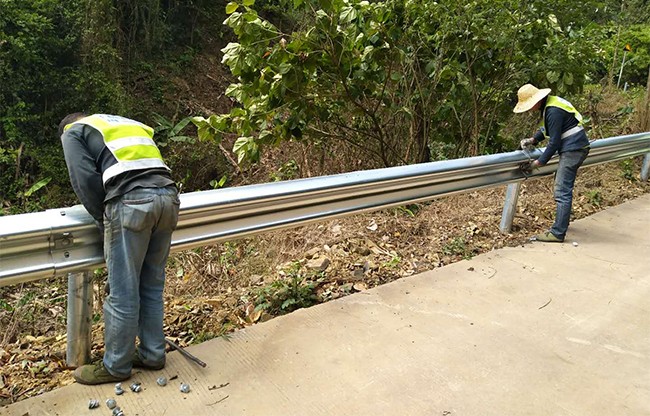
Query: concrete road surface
<point x="543" y="329"/>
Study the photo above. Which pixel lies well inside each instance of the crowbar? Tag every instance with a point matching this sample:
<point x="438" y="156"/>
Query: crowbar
<point x="180" y="349"/>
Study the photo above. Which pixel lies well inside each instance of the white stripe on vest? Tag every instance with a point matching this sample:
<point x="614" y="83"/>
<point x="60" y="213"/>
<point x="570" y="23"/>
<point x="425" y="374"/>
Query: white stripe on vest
<point x="132" y="165"/>
<point x="129" y="141"/>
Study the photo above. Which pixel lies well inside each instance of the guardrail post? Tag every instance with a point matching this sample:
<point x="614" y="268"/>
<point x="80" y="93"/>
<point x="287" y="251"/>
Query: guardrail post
<point x="80" y="308"/>
<point x="509" y="207"/>
<point x="645" y="168"/>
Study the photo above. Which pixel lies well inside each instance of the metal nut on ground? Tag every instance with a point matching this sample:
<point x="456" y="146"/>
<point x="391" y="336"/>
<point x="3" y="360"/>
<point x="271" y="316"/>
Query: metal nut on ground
<point x="111" y="403"/>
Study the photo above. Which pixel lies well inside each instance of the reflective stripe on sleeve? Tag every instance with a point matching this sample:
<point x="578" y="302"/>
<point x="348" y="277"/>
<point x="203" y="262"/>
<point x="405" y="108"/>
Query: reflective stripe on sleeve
<point x="571" y="132"/>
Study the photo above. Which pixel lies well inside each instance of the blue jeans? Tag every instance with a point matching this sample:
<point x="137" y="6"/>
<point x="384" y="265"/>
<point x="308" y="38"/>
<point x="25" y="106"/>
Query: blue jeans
<point x="138" y="228"/>
<point x="565" y="178"/>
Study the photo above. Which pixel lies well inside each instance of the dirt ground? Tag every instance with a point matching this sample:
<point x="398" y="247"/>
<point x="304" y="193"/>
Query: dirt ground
<point x="217" y="289"/>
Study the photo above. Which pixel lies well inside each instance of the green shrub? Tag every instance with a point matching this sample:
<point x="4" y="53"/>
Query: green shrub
<point x="627" y="169"/>
<point x="295" y="291"/>
<point x="594" y="197"/>
<point x="457" y="247"/>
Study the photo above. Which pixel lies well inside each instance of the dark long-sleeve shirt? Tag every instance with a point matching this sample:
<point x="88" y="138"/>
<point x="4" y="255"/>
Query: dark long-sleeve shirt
<point x="88" y="157"/>
<point x="556" y="122"/>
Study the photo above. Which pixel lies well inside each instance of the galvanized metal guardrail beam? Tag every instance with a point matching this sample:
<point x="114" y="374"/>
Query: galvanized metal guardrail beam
<point x="59" y="241"/>
<point x="65" y="241"/>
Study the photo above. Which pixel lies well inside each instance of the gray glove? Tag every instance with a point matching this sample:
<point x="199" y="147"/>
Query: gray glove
<point x="527" y="143"/>
<point x="526" y="168"/>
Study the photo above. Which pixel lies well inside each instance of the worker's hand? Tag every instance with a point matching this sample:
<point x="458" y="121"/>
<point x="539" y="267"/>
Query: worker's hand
<point x="526" y="143"/>
<point x="526" y="168"/>
<point x="529" y="166"/>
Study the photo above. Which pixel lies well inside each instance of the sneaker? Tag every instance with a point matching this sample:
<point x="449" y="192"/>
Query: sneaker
<point x="548" y="237"/>
<point x="96" y="374"/>
<point x="138" y="363"/>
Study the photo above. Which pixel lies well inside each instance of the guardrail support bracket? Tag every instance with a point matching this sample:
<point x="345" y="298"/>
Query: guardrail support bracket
<point x="645" y="168"/>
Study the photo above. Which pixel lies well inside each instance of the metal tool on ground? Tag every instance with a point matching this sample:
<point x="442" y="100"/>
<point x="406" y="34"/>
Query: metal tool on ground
<point x="185" y="353"/>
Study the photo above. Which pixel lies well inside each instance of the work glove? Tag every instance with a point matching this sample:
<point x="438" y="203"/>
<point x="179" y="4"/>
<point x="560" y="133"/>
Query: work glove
<point x="526" y="143"/>
<point x="528" y="167"/>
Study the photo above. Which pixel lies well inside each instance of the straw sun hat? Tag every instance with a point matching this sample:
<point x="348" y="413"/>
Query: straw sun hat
<point x="529" y="95"/>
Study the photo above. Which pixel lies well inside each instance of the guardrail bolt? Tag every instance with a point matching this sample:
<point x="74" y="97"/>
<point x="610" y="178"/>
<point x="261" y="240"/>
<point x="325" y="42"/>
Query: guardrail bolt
<point x="185" y="388"/>
<point x="66" y="254"/>
<point x="93" y="404"/>
<point x="111" y="403"/>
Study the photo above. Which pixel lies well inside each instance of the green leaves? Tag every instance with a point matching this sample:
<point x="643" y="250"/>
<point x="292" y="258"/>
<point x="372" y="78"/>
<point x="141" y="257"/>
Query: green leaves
<point x="234" y="58"/>
<point x="567" y="79"/>
<point x="348" y="14"/>
<point x="35" y="187"/>
<point x="375" y="73"/>
<point x="231" y="7"/>
<point x="235" y="91"/>
<point x="167" y="131"/>
<point x="296" y="290"/>
<point x="211" y="128"/>
<point x="246" y="149"/>
<point x="552" y="77"/>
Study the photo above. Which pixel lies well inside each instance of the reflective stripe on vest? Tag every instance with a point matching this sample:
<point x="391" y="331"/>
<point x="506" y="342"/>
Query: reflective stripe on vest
<point x="559" y="102"/>
<point x="130" y="142"/>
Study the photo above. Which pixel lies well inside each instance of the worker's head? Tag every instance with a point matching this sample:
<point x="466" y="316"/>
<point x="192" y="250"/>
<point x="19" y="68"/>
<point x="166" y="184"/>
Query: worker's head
<point x="70" y="118"/>
<point x="530" y="98"/>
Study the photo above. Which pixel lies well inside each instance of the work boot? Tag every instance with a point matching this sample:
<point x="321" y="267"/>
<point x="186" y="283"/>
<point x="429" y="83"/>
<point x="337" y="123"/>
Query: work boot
<point x="96" y="374"/>
<point x="548" y="237"/>
<point x="138" y="363"/>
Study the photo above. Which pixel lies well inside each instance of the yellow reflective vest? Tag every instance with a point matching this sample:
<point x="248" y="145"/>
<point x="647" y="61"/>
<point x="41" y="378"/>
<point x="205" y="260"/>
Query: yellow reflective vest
<point x="130" y="141"/>
<point x="554" y="101"/>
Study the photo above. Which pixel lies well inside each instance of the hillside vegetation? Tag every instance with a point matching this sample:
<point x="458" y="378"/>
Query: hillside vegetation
<point x="347" y="85"/>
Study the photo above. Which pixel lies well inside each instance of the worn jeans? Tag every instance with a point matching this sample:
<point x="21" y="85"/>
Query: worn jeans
<point x="137" y="234"/>
<point x="565" y="178"/>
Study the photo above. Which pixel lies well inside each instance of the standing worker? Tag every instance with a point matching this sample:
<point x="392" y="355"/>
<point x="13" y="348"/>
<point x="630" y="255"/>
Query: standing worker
<point x="562" y="125"/>
<point x="117" y="172"/>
